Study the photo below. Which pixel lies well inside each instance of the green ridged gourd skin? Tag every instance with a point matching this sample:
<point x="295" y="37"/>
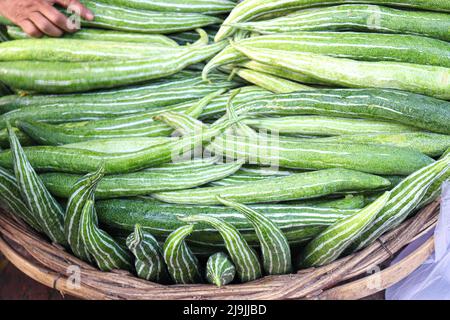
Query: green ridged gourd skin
<point x="315" y="154"/>
<point x="61" y="77"/>
<point x="37" y="198"/>
<point x="195" y="6"/>
<point x="245" y="259"/>
<point x="252" y="9"/>
<point x="220" y="270"/>
<point x="356" y="17"/>
<point x="143" y="124"/>
<point x="80" y="190"/>
<point x="71" y="160"/>
<point x="269" y="82"/>
<point x="115" y="17"/>
<point x="431" y="144"/>
<point x="106" y="252"/>
<point x="295" y="187"/>
<point x="77" y="50"/>
<point x="327" y="126"/>
<point x="328" y="246"/>
<point x="103" y="35"/>
<point x="422" y="79"/>
<point x="149" y="261"/>
<point x="274" y="245"/>
<point x="182" y="264"/>
<point x="11" y="199"/>
<point x="405" y="198"/>
<point x="357" y="46"/>
<point x="407" y="108"/>
<point x="142" y="182"/>
<point x="179" y="88"/>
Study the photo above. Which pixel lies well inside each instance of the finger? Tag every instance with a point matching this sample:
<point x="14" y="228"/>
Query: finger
<point x="56" y="18"/>
<point x="30" y="29"/>
<point x="44" y="25"/>
<point x="77" y="7"/>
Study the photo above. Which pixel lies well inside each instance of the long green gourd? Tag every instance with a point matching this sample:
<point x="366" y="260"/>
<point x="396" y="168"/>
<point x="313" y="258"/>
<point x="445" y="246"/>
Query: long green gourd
<point x="39" y="201"/>
<point x="356" y="17"/>
<point x="182" y="264"/>
<point x="119" y="145"/>
<point x="50" y="134"/>
<point x="276" y="71"/>
<point x="295" y="187"/>
<point x="244" y="175"/>
<point x="220" y="270"/>
<point x="103" y="35"/>
<point x="407" y="108"/>
<point x="327" y="126"/>
<point x="106" y="252"/>
<point x="274" y="245"/>
<point x="329" y="245"/>
<point x="273" y="150"/>
<point x="351" y="45"/>
<point x="248" y="267"/>
<point x="180" y="88"/>
<point x="405" y="197"/>
<point x="311" y="155"/>
<point x="77" y="50"/>
<point x="148" y="254"/>
<point x="114" y="17"/>
<point x="142" y="182"/>
<point x="196" y="6"/>
<point x="11" y="199"/>
<point x="428" y="80"/>
<point x="297" y="222"/>
<point x="431" y="144"/>
<point x="251" y="9"/>
<point x="269" y="82"/>
<point x="79" y="192"/>
<point x="350" y="201"/>
<point x="50" y="158"/>
<point x="80" y="50"/>
<point x="138" y="125"/>
<point x="61" y="77"/>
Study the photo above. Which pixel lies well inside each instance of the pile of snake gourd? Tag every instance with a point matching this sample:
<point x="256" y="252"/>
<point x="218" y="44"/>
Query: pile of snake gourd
<point x="91" y="125"/>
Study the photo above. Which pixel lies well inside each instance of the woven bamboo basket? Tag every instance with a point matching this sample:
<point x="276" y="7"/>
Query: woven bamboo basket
<point x="353" y="277"/>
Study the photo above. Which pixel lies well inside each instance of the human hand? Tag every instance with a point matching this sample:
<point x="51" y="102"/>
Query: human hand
<point x="39" y="17"/>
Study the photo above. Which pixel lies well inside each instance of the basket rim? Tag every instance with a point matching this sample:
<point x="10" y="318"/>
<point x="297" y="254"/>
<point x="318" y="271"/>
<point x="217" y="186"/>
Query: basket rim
<point x="347" y="278"/>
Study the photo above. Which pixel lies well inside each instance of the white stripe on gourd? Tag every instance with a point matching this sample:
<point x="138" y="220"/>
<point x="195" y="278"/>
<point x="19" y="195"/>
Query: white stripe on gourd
<point x="405" y="198"/>
<point x="329" y="245"/>
<point x="220" y="270"/>
<point x="107" y="253"/>
<point x="182" y="264"/>
<point x="245" y="259"/>
<point x="12" y="199"/>
<point x="149" y="260"/>
<point x="81" y="191"/>
<point x="39" y="201"/>
<point x="274" y="245"/>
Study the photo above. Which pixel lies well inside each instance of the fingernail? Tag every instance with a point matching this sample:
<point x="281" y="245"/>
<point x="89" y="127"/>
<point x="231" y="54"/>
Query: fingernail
<point x="89" y="15"/>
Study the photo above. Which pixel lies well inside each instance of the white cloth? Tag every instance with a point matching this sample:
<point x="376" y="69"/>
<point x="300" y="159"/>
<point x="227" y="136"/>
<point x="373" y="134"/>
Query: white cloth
<point x="431" y="281"/>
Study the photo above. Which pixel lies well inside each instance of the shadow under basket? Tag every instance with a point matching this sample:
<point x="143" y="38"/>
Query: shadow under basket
<point x="353" y="277"/>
